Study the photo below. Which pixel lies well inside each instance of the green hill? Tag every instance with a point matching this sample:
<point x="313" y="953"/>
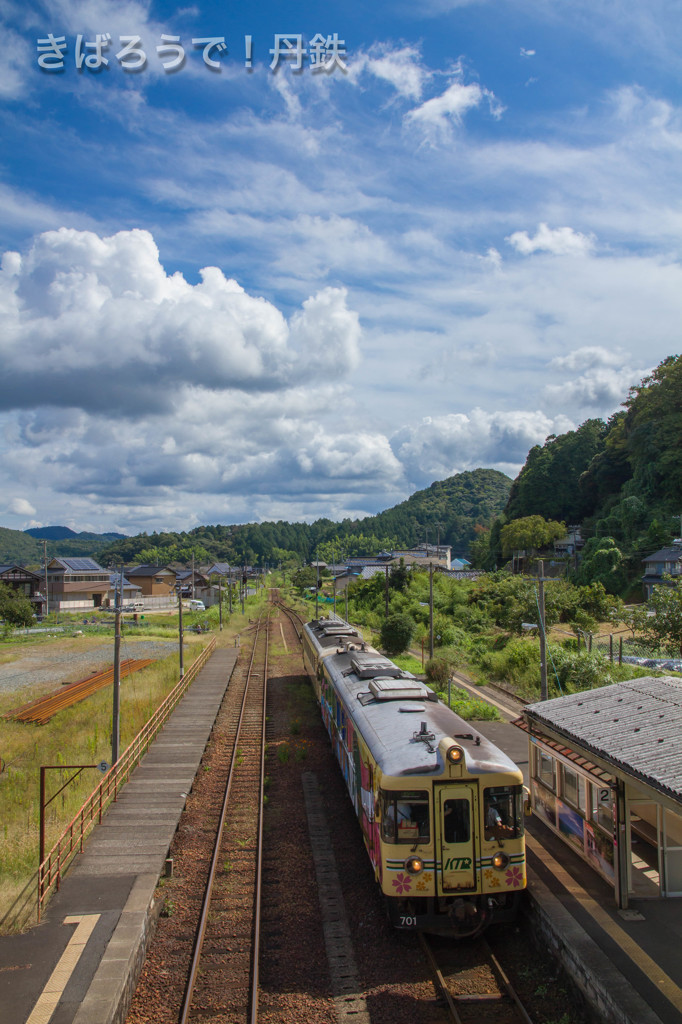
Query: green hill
<point x="25" y="548"/>
<point x="449" y="510"/>
<point x="619" y="479"/>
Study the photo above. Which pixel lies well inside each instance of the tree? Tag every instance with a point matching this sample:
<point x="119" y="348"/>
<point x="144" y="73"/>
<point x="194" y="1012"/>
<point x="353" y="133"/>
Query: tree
<point x="396" y="633"/>
<point x="15" y="607"/>
<point x="530" y="533"/>
<point x="602" y="562"/>
<point x="665" y="627"/>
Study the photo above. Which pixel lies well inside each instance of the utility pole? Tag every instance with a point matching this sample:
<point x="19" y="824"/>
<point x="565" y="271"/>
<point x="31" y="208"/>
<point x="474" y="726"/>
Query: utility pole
<point x="543" y="640"/>
<point x="47" y="596"/>
<point x="116" y="711"/>
<point x="192" y="575"/>
<point x="182" y="665"/>
<point x="220" y="601"/>
<point x="317" y="587"/>
<point x="386" y="591"/>
<point x="430" y="609"/>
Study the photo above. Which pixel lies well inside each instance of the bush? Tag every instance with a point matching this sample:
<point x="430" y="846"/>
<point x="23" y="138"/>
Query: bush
<point x="439" y="668"/>
<point x="396" y="633"/>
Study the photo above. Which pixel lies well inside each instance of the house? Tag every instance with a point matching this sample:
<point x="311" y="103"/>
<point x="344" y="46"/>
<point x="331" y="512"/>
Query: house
<point x="76" y="584"/>
<point x="667" y="561"/>
<point x="190" y="583"/>
<point x="26" y="582"/>
<point x="156" y="581"/>
<point x="129" y="591"/>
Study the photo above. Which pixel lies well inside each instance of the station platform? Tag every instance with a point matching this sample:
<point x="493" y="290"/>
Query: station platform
<point x="627" y="964"/>
<point x="81" y="963"/>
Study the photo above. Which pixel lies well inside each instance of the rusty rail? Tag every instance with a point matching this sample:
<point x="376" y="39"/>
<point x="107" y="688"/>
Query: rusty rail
<point x="71" y="840"/>
<point x="42" y="709"/>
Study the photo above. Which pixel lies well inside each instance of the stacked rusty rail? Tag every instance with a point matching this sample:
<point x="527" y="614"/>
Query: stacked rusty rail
<point x="43" y="709"/>
<point x="72" y="838"/>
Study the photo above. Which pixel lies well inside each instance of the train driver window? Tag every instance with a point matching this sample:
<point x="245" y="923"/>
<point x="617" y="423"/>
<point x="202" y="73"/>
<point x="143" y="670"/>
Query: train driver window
<point x="405" y="816"/>
<point x="503" y="812"/>
<point x="456" y="821"/>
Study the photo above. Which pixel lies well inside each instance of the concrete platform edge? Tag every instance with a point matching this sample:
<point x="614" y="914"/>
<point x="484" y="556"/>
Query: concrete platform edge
<point x="589" y="968"/>
<point x="111" y="990"/>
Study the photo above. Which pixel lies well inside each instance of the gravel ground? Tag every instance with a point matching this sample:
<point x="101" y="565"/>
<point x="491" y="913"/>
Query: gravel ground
<point x="64" y="661"/>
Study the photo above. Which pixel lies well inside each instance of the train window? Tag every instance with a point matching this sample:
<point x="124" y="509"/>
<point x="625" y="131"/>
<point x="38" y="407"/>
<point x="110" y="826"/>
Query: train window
<point x="503" y="812"/>
<point x="405" y="816"/>
<point x="456" y="821"/>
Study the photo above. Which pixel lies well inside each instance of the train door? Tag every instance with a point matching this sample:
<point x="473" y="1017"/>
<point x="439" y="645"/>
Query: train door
<point x="456" y="838"/>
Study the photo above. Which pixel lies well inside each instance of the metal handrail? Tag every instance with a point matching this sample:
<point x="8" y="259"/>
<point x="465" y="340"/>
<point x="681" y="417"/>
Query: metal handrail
<point x="71" y="840"/>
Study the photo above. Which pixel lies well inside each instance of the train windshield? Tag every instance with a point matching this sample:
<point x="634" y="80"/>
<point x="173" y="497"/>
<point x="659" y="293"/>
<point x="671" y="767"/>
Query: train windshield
<point x="503" y="812"/>
<point x="405" y="816"/>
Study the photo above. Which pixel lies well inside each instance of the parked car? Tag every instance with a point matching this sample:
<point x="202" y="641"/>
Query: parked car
<point x="197" y="606"/>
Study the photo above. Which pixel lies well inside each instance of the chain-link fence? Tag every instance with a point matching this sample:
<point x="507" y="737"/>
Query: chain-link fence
<point x="621" y="648"/>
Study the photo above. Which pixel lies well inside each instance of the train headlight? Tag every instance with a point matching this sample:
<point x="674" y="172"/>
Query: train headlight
<point x="500" y="860"/>
<point x="414" y="865"/>
<point x="455" y="754"/>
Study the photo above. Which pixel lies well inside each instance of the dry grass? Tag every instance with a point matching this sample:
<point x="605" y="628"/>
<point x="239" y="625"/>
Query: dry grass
<point x="78" y="735"/>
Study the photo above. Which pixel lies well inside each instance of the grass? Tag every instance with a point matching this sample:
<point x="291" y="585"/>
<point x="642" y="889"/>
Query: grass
<point x="77" y="735"/>
<point x="409" y="663"/>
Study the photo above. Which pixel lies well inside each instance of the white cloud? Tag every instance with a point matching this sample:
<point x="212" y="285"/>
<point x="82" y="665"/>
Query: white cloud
<point x="600" y="390"/>
<point x="400" y="66"/>
<point x="20" y="507"/>
<point x="437" y="115"/>
<point x="589" y="357"/>
<point x="442" y="445"/>
<point x="96" y="323"/>
<point x="526" y="53"/>
<point x="559" y="241"/>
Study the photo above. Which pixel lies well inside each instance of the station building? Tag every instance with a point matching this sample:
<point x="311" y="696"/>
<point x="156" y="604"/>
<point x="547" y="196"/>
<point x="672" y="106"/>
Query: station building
<point x="605" y="769"/>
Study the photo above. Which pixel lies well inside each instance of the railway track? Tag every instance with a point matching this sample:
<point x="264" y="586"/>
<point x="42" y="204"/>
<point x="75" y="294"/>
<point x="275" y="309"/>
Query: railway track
<point x="223" y="975"/>
<point x="452" y="966"/>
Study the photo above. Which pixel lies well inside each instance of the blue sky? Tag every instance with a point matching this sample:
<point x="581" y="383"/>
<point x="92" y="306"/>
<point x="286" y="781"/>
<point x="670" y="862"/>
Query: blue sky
<point x="233" y="294"/>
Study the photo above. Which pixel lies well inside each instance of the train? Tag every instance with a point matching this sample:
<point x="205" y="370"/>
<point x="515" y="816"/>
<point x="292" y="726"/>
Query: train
<point x="441" y="809"/>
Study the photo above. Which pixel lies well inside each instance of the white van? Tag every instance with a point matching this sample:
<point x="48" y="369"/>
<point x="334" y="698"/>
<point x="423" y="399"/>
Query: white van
<point x="197" y="606"/>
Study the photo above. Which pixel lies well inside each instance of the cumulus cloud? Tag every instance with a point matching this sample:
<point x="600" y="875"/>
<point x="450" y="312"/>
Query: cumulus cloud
<point x="526" y="53"/>
<point x="600" y="390"/>
<point x="20" y="507"/>
<point x="97" y="323"/>
<point x="559" y="241"/>
<point x="443" y="445"/>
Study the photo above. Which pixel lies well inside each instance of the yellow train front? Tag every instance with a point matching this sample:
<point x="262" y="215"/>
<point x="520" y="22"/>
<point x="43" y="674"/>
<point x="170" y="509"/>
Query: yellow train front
<point x="440" y="807"/>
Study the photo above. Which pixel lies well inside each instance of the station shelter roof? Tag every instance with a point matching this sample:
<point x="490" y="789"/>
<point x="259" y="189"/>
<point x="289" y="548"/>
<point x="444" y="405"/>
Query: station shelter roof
<point x="635" y="725"/>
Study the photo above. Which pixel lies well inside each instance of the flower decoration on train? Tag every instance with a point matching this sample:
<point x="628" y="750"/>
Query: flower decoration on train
<point x="402" y="883"/>
<point x="514" y="877"/>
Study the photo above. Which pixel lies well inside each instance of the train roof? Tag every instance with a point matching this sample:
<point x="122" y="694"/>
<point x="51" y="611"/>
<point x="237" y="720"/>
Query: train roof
<point x="401" y="719"/>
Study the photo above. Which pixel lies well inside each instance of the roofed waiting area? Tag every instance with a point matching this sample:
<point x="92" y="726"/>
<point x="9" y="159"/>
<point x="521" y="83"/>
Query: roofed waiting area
<point x="606" y="776"/>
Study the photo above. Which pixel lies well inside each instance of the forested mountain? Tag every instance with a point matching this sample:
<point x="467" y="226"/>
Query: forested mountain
<point x="25" y="547"/>
<point x="449" y="510"/>
<point x="620" y="479"/>
<point x="65" y="533"/>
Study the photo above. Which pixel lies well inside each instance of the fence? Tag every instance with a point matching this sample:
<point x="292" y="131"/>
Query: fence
<point x="623" y="649"/>
<point x="72" y="838"/>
